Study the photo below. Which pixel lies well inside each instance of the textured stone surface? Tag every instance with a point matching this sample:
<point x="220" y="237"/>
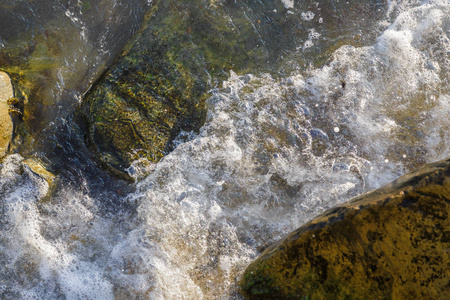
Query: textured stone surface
<point x="158" y="87"/>
<point x="393" y="243"/>
<point x="6" y="126"/>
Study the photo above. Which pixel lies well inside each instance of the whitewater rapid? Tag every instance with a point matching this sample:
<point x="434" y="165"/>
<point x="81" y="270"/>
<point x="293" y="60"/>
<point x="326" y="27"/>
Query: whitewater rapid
<point x="272" y="154"/>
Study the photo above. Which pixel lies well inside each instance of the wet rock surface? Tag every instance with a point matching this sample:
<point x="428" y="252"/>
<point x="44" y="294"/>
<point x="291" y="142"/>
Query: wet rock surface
<point x="393" y="243"/>
<point x="6" y="125"/>
<point x="38" y="169"/>
<point x="156" y="89"/>
<point x="54" y="50"/>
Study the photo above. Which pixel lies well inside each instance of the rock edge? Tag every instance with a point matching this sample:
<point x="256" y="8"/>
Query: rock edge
<point x="392" y="243"/>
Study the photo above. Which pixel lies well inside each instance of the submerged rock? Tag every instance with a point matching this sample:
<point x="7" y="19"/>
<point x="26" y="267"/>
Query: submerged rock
<point x="393" y="243"/>
<point x="158" y="86"/>
<point x="6" y="125"/>
<point x="53" y="51"/>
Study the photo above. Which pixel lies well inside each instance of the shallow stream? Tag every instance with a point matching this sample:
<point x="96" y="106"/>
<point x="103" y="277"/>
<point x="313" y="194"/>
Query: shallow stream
<point x="275" y="151"/>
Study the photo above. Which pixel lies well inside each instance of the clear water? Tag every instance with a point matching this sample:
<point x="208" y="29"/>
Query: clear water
<point x="272" y="154"/>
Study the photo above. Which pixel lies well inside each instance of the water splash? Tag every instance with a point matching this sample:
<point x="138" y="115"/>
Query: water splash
<point x="268" y="159"/>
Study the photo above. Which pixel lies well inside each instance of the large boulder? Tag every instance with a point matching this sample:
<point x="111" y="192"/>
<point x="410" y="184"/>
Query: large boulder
<point x="157" y="88"/>
<point x="393" y="243"/>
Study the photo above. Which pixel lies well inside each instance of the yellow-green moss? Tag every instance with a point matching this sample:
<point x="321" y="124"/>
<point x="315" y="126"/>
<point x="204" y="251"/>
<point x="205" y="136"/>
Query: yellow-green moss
<point x="389" y="244"/>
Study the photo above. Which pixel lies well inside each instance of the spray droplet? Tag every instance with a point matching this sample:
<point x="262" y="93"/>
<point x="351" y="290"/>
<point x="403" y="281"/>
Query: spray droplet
<point x="336" y="129"/>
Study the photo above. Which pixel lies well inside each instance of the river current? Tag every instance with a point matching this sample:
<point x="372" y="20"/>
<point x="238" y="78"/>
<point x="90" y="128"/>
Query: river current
<point x="274" y="152"/>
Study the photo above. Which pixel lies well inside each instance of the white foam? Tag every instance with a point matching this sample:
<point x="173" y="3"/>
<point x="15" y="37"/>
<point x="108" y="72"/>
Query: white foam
<point x="289" y="4"/>
<point x="307" y="16"/>
<point x="266" y="169"/>
<point x="76" y="278"/>
<point x="272" y="154"/>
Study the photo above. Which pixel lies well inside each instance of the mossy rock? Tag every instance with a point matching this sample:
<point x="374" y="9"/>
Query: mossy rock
<point x="184" y="49"/>
<point x="158" y="86"/>
<point x="393" y="243"/>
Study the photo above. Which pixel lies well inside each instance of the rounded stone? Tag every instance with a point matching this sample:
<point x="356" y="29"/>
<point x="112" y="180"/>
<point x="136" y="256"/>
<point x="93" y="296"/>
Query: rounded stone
<point x="392" y="243"/>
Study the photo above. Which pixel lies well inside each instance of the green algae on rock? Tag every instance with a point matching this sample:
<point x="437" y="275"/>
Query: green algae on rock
<point x="6" y="125"/>
<point x="393" y="243"/>
<point x="158" y="86"/>
<point x="54" y="50"/>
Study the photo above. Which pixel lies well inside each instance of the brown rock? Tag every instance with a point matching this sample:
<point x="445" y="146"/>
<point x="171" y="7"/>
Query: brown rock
<point x="6" y="125"/>
<point x="39" y="170"/>
<point x="393" y="243"/>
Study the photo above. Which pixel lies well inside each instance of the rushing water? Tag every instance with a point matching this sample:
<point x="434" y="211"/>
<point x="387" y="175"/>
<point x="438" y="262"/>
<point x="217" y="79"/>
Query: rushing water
<point x="273" y="153"/>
